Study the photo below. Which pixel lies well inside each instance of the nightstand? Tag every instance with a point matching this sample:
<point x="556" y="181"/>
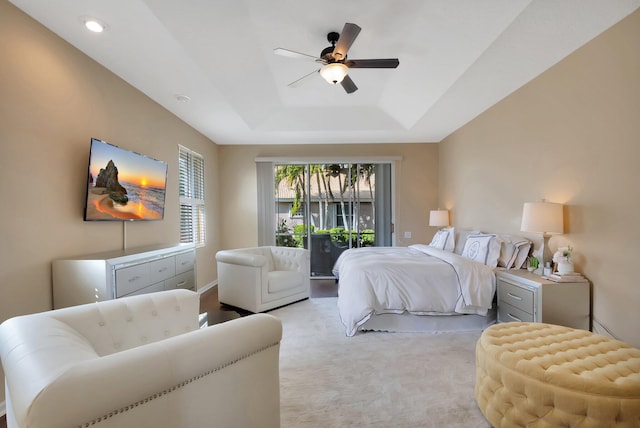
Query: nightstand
<point x="523" y="296"/>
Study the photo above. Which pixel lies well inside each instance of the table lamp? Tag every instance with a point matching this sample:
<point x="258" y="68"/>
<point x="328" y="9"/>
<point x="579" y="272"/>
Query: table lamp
<point x="545" y="218"/>
<point x="439" y="218"/>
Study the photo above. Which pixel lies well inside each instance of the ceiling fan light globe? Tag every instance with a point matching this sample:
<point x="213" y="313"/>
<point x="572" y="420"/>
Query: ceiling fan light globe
<point x="334" y="73"/>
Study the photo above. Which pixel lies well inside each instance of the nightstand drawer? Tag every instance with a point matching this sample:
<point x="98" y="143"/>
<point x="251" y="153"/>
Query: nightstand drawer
<point x="508" y="313"/>
<point x="518" y="297"/>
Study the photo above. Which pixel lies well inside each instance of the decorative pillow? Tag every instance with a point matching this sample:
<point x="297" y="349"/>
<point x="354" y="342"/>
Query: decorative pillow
<point x="482" y="248"/>
<point x="509" y="249"/>
<point x="443" y="239"/>
<point x="522" y="255"/>
<point x="507" y="254"/>
<point x="439" y="239"/>
<point x="461" y="238"/>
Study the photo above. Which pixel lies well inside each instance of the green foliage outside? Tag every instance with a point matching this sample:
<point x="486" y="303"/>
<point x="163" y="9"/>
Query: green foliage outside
<point x="367" y="238"/>
<point x="299" y="231"/>
<point x="339" y="236"/>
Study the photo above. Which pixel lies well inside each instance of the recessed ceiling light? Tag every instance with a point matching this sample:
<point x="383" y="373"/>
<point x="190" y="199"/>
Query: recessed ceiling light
<point x="93" y="24"/>
<point x="182" y="98"/>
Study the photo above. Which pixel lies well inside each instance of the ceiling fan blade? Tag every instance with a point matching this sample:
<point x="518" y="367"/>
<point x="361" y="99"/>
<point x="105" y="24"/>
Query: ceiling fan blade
<point x="372" y="63"/>
<point x="295" y="55"/>
<point x="347" y="37"/>
<point x="303" y="79"/>
<point x="348" y="84"/>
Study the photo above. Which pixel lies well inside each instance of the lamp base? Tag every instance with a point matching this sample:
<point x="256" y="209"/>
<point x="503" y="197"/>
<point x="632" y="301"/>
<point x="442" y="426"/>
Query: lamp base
<point x="545" y="251"/>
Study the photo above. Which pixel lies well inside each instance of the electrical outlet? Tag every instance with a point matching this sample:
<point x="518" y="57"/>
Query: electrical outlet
<point x="407" y="235"/>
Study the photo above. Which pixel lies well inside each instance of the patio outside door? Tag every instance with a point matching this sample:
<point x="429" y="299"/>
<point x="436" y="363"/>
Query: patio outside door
<point x="328" y="208"/>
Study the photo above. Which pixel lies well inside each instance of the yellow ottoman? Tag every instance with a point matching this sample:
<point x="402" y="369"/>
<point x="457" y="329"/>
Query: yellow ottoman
<point x="543" y="375"/>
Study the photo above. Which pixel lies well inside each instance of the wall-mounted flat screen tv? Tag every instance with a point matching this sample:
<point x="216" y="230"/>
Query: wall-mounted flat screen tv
<point x="124" y="185"/>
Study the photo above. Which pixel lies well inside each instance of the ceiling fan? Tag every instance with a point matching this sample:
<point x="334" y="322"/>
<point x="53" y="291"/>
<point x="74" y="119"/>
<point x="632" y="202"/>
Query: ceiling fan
<point x="335" y="64"/>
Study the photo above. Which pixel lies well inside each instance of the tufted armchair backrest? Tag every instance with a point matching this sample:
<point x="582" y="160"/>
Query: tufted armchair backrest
<point x="117" y="325"/>
<point x="291" y="259"/>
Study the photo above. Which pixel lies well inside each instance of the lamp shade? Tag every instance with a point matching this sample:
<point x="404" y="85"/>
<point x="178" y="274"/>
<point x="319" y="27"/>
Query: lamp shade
<point x="542" y="217"/>
<point x="439" y="218"/>
<point x="334" y="72"/>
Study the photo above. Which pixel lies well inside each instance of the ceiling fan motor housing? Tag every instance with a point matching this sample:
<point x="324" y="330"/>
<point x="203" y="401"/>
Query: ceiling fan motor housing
<point x="326" y="54"/>
<point x="332" y="37"/>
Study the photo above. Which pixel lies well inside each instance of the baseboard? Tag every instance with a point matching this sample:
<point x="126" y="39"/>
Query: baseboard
<point x="3" y="408"/>
<point x="207" y="287"/>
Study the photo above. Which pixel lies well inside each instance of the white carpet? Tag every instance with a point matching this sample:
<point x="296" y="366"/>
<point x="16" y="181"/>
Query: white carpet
<point x="372" y="379"/>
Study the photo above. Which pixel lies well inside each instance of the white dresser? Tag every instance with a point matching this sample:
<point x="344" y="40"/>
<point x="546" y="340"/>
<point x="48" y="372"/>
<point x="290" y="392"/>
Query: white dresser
<point x="115" y="274"/>
<point x="523" y="296"/>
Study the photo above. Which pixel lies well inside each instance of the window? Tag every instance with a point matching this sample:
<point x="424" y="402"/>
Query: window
<point x="191" y="188"/>
<point x="299" y="212"/>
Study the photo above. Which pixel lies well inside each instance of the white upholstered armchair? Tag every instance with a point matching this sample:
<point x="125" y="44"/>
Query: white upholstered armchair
<point x="138" y="362"/>
<point x="262" y="278"/>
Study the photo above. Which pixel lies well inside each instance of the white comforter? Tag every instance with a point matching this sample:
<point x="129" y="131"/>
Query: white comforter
<point x="419" y="279"/>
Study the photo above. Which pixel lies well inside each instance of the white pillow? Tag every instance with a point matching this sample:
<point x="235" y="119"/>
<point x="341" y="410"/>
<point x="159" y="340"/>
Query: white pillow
<point x="483" y="248"/>
<point x="443" y="239"/>
<point x="508" y="254"/>
<point x="461" y="238"/>
<point x="509" y="249"/>
<point x="522" y="255"/>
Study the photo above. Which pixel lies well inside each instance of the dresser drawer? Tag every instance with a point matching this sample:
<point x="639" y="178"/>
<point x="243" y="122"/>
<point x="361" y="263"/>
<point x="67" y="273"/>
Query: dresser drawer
<point x="162" y="269"/>
<point x="131" y="279"/>
<point x="185" y="262"/>
<point x="153" y="288"/>
<point x="184" y="280"/>
<point x="515" y="296"/>
<point x="508" y="313"/>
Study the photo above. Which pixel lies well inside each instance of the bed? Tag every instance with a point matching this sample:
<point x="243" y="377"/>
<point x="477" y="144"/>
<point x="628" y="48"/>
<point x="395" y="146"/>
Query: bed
<point x="433" y="287"/>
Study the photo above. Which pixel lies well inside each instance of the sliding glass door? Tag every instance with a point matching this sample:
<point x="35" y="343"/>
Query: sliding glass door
<point x="330" y="207"/>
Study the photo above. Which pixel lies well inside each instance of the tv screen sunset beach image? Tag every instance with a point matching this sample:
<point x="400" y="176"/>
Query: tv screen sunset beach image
<point x="124" y="185"/>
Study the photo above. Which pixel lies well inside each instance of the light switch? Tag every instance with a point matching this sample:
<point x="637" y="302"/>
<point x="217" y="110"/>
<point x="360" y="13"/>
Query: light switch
<point x="407" y="235"/>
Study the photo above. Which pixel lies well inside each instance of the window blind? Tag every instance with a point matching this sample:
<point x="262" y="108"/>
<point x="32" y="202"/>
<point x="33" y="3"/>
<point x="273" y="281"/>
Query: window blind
<point x="191" y="190"/>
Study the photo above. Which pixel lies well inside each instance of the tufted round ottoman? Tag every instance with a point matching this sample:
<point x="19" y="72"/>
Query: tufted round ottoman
<point x="542" y="375"/>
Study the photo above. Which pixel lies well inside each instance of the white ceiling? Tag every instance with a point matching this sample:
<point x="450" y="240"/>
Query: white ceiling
<point x="457" y="58"/>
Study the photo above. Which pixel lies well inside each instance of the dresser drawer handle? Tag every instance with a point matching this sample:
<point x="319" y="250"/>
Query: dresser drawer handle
<point x="514" y="318"/>
<point x="180" y="284"/>
<point x="513" y="296"/>
<point x="162" y="270"/>
<point x="134" y="278"/>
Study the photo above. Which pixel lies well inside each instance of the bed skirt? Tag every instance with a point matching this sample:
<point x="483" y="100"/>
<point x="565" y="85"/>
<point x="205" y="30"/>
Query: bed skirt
<point x="408" y="323"/>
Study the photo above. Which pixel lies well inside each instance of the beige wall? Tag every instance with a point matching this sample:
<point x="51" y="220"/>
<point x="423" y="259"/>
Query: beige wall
<point x="573" y="136"/>
<point x="416" y="186"/>
<point x="53" y="99"/>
